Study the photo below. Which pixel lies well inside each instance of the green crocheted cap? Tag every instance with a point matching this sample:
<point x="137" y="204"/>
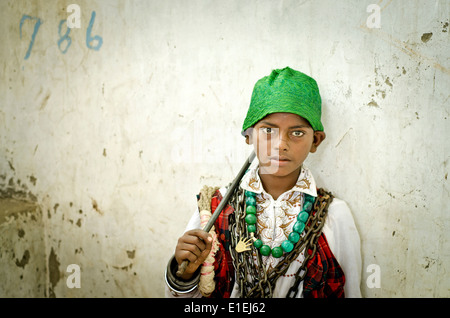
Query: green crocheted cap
<point x="285" y="91"/>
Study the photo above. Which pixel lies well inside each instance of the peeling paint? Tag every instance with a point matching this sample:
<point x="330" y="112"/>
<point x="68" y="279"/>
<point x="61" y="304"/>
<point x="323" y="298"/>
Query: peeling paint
<point x="373" y="103"/>
<point x="388" y="82"/>
<point x="408" y="49"/>
<point x="22" y="249"/>
<point x="54" y="273"/>
<point x="16" y="190"/>
<point x="131" y="254"/>
<point x="79" y="250"/>
<point x="33" y="180"/>
<point x="444" y="26"/>
<point x="124" y="268"/>
<point x="24" y="260"/>
<point x="426" y="37"/>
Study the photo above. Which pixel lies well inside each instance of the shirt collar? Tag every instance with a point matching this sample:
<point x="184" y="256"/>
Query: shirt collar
<point x="305" y="182"/>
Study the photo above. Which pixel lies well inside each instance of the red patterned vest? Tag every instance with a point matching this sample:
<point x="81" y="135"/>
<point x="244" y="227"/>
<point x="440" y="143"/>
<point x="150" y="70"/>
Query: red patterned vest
<point x="324" y="277"/>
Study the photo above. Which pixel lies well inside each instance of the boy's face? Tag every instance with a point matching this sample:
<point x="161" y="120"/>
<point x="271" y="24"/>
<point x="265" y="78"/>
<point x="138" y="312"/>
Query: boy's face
<point x="282" y="142"/>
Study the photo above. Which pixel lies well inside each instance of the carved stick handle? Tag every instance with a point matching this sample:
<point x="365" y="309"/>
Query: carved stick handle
<point x="221" y="205"/>
<point x="182" y="267"/>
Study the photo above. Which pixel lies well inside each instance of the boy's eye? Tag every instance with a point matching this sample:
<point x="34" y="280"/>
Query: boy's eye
<point x="267" y="130"/>
<point x="297" y="133"/>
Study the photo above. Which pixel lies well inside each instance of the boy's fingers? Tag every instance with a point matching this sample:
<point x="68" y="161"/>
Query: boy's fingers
<point x="193" y="246"/>
<point x="207" y="249"/>
<point x="196" y="240"/>
<point x="200" y="234"/>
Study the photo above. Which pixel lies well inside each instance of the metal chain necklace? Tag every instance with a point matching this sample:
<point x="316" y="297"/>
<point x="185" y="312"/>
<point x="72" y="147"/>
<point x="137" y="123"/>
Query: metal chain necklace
<point x="253" y="279"/>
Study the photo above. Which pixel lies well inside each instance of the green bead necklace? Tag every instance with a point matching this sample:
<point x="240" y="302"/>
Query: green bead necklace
<point x="298" y="228"/>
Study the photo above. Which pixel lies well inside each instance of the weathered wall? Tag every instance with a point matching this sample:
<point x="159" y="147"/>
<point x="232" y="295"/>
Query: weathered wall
<point x="112" y="136"/>
<point x="22" y="255"/>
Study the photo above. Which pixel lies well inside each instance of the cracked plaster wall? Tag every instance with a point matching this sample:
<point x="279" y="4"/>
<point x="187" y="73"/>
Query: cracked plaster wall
<point x="113" y="141"/>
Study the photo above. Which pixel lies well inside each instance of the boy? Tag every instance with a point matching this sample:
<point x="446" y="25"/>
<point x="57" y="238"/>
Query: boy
<point x="279" y="236"/>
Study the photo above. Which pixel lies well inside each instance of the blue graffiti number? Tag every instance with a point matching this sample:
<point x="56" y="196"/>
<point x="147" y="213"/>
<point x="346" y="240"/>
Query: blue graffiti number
<point x="92" y="42"/>
<point x="35" y="31"/>
<point x="89" y="37"/>
<point x="64" y="37"/>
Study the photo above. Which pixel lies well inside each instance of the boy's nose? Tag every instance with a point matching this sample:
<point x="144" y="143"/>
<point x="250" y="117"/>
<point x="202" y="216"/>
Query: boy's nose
<point x="282" y="143"/>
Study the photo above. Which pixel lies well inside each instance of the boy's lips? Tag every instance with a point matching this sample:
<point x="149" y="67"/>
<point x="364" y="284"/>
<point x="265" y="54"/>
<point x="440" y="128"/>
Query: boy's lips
<point x="279" y="158"/>
<point x="279" y="161"/>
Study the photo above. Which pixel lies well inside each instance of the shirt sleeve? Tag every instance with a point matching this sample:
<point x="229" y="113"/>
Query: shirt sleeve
<point x="344" y="241"/>
<point x="194" y="223"/>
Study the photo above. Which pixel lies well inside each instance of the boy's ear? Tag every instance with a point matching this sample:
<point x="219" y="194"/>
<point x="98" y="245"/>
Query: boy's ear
<point x="249" y="136"/>
<point x="247" y="139"/>
<point x="319" y="136"/>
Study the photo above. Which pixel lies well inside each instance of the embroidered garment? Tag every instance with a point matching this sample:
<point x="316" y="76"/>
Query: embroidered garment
<point x="338" y="250"/>
<point x="276" y="218"/>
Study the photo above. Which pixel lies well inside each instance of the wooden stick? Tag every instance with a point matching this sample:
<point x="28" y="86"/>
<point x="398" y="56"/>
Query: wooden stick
<point x="221" y="205"/>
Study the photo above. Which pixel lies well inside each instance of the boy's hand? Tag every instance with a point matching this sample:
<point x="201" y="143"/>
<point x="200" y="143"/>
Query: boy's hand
<point x="193" y="246"/>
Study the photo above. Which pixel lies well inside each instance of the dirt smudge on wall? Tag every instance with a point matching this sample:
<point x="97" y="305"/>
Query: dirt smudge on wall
<point x="24" y="260"/>
<point x="54" y="274"/>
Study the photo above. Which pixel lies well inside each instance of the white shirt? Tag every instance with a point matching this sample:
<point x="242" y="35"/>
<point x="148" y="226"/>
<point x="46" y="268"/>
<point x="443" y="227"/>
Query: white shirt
<point x="275" y="221"/>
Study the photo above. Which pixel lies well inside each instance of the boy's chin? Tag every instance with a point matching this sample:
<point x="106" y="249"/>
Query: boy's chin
<point x="277" y="171"/>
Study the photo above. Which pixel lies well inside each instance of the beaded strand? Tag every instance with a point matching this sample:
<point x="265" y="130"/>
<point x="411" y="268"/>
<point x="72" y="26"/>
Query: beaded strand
<point x="298" y="228"/>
